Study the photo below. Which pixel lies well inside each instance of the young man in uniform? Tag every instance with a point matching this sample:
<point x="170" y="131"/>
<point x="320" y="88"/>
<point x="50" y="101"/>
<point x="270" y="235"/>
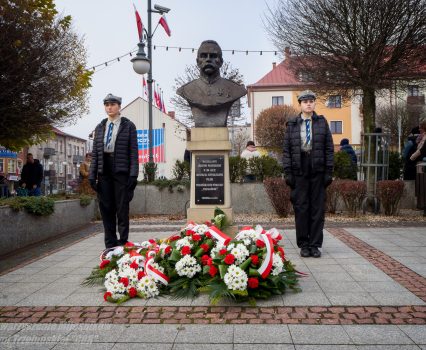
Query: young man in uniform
<point x="114" y="170"/>
<point x="308" y="166"/>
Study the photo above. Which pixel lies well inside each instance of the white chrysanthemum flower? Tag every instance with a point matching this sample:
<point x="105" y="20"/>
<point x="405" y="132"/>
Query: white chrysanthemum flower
<point x="112" y="276"/>
<point x="215" y="250"/>
<point x="183" y="242"/>
<point x="200" y="229"/>
<point x="277" y="264"/>
<point x="235" y="278"/>
<point x="147" y="287"/>
<point x="125" y="260"/>
<point x="116" y="288"/>
<point x="116" y="296"/>
<point x="247" y="236"/>
<point x="187" y="266"/>
<point x="239" y="251"/>
<point x="129" y="273"/>
<point x="145" y="245"/>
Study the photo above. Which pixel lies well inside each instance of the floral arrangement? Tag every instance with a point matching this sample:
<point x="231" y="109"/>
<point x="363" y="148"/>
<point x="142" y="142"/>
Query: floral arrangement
<point x="200" y="259"/>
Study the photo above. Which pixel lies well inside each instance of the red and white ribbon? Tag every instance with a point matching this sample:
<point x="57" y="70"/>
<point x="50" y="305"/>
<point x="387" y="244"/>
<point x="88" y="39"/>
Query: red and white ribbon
<point x="219" y="235"/>
<point x="266" y="266"/>
<point x="152" y="271"/>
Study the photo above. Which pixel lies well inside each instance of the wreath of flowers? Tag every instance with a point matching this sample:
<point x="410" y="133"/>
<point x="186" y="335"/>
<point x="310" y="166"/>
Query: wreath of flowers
<point x="200" y="259"/>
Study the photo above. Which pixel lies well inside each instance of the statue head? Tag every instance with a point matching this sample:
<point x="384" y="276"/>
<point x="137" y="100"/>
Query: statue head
<point x="209" y="59"/>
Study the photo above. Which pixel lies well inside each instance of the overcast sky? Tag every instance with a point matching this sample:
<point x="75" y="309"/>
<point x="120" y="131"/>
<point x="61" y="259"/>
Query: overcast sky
<point x="109" y="30"/>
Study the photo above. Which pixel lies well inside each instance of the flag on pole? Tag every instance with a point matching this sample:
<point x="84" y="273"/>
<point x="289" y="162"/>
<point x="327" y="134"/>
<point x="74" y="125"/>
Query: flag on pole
<point x="164" y="24"/>
<point x="144" y="87"/>
<point x="162" y="103"/>
<point x="138" y="23"/>
<point x="156" y="97"/>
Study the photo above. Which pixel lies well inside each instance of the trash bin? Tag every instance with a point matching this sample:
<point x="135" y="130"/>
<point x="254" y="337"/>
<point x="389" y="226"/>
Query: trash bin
<point x="421" y="186"/>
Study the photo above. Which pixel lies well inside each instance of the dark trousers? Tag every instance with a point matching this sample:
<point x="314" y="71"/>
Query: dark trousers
<point x="308" y="198"/>
<point x="114" y="198"/>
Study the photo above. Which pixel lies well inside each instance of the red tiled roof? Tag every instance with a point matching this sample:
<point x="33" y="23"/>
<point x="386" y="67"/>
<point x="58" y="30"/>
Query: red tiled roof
<point x="281" y="75"/>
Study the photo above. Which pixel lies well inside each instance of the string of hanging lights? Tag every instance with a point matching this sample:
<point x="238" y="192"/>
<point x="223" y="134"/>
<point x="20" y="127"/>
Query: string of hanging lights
<point x="108" y="63"/>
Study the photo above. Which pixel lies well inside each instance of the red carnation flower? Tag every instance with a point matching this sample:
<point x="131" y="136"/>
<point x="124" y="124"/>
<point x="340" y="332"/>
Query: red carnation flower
<point x="129" y="245"/>
<point x="207" y="223"/>
<point x="223" y="251"/>
<point x="208" y="234"/>
<point x="152" y="241"/>
<point x="196" y="237"/>
<point x="253" y="282"/>
<point x="204" y="259"/>
<point x="134" y="265"/>
<point x="254" y="259"/>
<point x="174" y="238"/>
<point x="168" y="250"/>
<point x="141" y="274"/>
<point x="205" y="247"/>
<point x="279" y="237"/>
<point x="260" y="243"/>
<point x="107" y="295"/>
<point x="189" y="232"/>
<point x="124" y="280"/>
<point x="229" y="259"/>
<point x="210" y="262"/>
<point x="186" y="250"/>
<point x="104" y="264"/>
<point x="132" y="292"/>
<point x="213" y="271"/>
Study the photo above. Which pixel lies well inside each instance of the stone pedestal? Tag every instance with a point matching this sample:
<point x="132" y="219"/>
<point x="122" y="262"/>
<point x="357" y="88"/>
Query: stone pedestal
<point x="210" y="182"/>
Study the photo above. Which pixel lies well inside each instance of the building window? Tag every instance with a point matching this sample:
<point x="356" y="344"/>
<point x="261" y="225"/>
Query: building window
<point x="11" y="166"/>
<point x="413" y="90"/>
<point x="60" y="147"/>
<point x="336" y="127"/>
<point x="69" y="149"/>
<point x="277" y="100"/>
<point x="334" y="101"/>
<point x="1" y="165"/>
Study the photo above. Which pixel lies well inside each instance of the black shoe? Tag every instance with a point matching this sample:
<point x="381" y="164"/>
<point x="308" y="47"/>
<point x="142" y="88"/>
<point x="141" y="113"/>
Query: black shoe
<point x="305" y="253"/>
<point x="315" y="252"/>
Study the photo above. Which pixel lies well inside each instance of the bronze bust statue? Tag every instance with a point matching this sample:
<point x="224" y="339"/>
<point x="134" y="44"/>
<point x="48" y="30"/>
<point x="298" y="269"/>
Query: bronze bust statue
<point x="210" y="96"/>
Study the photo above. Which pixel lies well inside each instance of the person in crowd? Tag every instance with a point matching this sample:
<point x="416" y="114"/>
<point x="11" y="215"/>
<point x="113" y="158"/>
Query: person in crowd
<point x="409" y="148"/>
<point x="420" y="152"/>
<point x="308" y="154"/>
<point x="114" y="170"/>
<point x="4" y="186"/>
<point x="249" y="153"/>
<point x="32" y="175"/>
<point x="84" y="185"/>
<point x="346" y="147"/>
<point x="21" y="191"/>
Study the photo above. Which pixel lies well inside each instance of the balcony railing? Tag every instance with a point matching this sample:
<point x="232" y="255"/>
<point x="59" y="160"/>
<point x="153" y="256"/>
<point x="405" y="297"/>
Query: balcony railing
<point x="77" y="159"/>
<point x="48" y="151"/>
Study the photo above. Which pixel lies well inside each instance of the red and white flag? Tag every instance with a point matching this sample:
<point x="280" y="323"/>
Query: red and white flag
<point x="164" y="24"/>
<point x="144" y="87"/>
<point x="138" y="23"/>
<point x="162" y="103"/>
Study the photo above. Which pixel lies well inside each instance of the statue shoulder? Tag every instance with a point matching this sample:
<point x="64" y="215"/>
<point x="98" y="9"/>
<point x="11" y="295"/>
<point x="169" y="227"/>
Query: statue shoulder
<point x="185" y="90"/>
<point x="238" y="90"/>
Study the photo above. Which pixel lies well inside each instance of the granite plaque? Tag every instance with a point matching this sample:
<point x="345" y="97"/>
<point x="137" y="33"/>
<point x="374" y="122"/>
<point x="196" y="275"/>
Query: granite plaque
<point x="209" y="179"/>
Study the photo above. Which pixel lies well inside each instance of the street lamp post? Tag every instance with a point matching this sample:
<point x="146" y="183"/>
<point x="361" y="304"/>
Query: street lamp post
<point x="143" y="65"/>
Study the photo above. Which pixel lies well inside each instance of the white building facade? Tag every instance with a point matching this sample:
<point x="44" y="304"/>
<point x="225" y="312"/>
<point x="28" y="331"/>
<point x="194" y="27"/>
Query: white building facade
<point x="169" y="137"/>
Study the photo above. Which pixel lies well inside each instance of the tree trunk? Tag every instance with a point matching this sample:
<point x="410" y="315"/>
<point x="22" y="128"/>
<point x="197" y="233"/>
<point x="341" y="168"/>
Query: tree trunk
<point x="370" y="172"/>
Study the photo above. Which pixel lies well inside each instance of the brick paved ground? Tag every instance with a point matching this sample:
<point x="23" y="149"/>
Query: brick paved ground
<point x="215" y="315"/>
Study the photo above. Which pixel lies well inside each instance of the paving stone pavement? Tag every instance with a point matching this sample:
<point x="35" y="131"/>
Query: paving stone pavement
<point x="350" y="300"/>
